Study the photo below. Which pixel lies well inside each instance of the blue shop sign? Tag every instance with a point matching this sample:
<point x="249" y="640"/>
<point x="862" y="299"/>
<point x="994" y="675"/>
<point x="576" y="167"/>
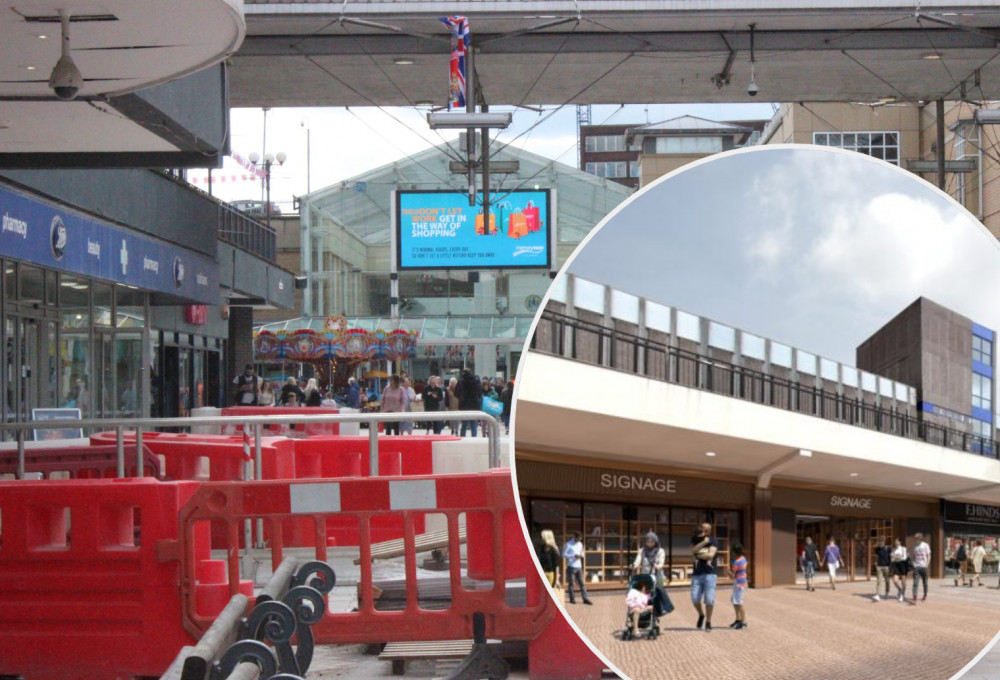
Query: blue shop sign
<point x="42" y="234"/>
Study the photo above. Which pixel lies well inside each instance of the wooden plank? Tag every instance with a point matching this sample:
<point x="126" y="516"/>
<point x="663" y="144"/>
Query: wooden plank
<point x="422" y="543"/>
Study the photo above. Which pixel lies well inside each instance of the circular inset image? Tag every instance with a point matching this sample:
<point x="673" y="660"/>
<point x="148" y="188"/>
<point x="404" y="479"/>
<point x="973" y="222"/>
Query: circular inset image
<point x="756" y="425"/>
<point x="58" y="236"/>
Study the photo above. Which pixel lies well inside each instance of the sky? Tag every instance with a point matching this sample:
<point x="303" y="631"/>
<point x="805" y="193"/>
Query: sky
<point x="808" y="246"/>
<point x="342" y="143"/>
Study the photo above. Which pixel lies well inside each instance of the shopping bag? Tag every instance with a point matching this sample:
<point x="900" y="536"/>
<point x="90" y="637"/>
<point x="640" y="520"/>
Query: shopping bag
<point x="518" y="225"/>
<point x="480" y="224"/>
<point x="492" y="406"/>
<point x="501" y="209"/>
<point x="533" y="217"/>
<point x="661" y="602"/>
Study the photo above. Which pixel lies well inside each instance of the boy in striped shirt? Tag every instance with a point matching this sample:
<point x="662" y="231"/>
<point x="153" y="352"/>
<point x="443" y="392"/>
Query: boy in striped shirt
<point x="738" y="572"/>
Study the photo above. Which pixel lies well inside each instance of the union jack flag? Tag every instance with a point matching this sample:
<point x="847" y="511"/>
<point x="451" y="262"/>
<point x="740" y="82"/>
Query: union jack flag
<point x="460" y="40"/>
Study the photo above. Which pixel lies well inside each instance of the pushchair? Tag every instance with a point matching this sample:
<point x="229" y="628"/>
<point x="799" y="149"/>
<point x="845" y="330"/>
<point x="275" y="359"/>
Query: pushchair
<point x="649" y="621"/>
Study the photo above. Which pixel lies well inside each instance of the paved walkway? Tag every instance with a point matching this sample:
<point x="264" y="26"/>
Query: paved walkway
<point x="800" y="635"/>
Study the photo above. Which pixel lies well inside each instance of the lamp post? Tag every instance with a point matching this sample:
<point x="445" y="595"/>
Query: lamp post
<point x="268" y="160"/>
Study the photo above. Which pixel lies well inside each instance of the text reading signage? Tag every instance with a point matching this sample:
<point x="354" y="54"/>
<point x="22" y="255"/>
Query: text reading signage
<point x="618" y="481"/>
<point x="40" y="233"/>
<point x="854" y="502"/>
<point x="440" y="230"/>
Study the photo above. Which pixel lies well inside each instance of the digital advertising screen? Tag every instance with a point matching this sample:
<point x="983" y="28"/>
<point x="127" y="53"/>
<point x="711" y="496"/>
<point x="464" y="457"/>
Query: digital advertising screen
<point x="440" y="230"/>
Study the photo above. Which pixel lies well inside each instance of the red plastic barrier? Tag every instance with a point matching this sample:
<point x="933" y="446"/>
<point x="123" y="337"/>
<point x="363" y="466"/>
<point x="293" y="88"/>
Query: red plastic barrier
<point x="310" y="429"/>
<point x="365" y="500"/>
<point x="81" y="462"/>
<point x="84" y="593"/>
<point x="559" y="653"/>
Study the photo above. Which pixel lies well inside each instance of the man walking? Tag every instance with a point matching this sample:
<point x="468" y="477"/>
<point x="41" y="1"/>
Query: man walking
<point x="573" y="554"/>
<point x="976" y="558"/>
<point x="703" y="578"/>
<point x="246" y="387"/>
<point x="470" y="398"/>
<point x="921" y="562"/>
<point x="883" y="559"/>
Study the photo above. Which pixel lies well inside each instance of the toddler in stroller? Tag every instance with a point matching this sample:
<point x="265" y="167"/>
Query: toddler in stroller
<point x="641" y="613"/>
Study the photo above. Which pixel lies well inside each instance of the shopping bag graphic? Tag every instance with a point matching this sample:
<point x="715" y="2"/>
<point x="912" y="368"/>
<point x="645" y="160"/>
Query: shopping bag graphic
<point x="533" y="217"/>
<point x="518" y="225"/>
<point x="502" y="208"/>
<point x="480" y="224"/>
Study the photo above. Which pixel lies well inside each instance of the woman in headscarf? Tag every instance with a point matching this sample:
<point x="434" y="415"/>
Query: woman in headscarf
<point x="650" y="559"/>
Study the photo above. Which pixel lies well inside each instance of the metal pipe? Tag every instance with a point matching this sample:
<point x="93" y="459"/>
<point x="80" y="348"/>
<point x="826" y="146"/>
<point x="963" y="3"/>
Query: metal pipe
<point x="20" y="453"/>
<point x="259" y="465"/>
<point x="120" y="451"/>
<point x="373" y="449"/>
<point x="140" y="459"/>
<point x="940" y="144"/>
<point x="278" y="584"/>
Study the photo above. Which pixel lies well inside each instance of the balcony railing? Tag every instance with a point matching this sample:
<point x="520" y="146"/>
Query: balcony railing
<point x="243" y="231"/>
<point x="572" y="338"/>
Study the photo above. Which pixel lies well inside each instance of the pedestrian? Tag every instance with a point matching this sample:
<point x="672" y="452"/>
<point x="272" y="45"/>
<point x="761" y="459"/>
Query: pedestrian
<point x="313" y="396"/>
<point x="703" y="577"/>
<point x="353" y="393"/>
<point x="962" y="559"/>
<point x="266" y="395"/>
<point x="470" y="398"/>
<point x="832" y="559"/>
<point x="921" y="562"/>
<point x="406" y="427"/>
<point x="638" y="602"/>
<point x="246" y="383"/>
<point x="548" y="557"/>
<point x="572" y="552"/>
<point x="899" y="568"/>
<point x="738" y="572"/>
<point x="393" y="401"/>
<point x="488" y="390"/>
<point x="451" y="401"/>
<point x="433" y="395"/>
<point x="976" y="558"/>
<point x="810" y="562"/>
<point x="650" y="559"/>
<point x="290" y="387"/>
<point x="507" y="397"/>
<point x="883" y="565"/>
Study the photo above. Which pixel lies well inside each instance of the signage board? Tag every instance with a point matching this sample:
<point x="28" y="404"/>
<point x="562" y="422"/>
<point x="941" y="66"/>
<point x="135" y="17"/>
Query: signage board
<point x="49" y="414"/>
<point x="44" y="234"/>
<point x="440" y="230"/>
<point x="971" y="513"/>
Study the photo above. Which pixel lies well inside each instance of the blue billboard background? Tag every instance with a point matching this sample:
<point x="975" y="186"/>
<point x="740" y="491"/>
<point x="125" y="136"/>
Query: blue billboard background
<point x="37" y="232"/>
<point x="438" y="230"/>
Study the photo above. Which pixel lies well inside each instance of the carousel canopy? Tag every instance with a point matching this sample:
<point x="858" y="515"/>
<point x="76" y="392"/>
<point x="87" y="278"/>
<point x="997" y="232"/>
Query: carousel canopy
<point x="334" y="340"/>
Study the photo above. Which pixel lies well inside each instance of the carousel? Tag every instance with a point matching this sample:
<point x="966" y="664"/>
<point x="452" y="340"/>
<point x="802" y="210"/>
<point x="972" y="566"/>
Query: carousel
<point x="335" y="353"/>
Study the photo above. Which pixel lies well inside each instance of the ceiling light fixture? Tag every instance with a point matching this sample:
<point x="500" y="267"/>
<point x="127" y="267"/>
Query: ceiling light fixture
<point x="854" y="474"/>
<point x="402" y="61"/>
<point x="918" y="483"/>
<point x="423" y="102"/>
<point x="42" y="37"/>
<point x="710" y="454"/>
<point x="930" y="55"/>
<point x="752" y="88"/>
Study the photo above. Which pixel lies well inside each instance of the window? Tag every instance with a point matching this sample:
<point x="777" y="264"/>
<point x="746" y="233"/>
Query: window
<point x="884" y="145"/>
<point x="604" y="143"/>
<point x="981" y="428"/>
<point x="688" y="144"/>
<point x="982" y="350"/>
<point x="982" y="391"/>
<point x="611" y="169"/>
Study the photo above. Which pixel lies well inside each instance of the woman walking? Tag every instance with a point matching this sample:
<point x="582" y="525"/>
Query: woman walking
<point x="650" y="560"/>
<point x="313" y="397"/>
<point x="810" y="562"/>
<point x="393" y="401"/>
<point x="898" y="568"/>
<point x="833" y="560"/>
<point x="451" y="400"/>
<point x="549" y="557"/>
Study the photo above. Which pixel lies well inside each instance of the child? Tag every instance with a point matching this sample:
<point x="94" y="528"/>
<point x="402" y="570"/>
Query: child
<point x="638" y="604"/>
<point x="738" y="572"/>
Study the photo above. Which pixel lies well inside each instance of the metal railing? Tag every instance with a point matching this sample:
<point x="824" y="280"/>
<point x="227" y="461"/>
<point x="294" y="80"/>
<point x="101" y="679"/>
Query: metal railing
<point x="621" y="351"/>
<point x="254" y="424"/>
<point x="241" y="230"/>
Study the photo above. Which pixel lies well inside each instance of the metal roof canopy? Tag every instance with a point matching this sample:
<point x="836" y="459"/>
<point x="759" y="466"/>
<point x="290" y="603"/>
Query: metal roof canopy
<point x="602" y="52"/>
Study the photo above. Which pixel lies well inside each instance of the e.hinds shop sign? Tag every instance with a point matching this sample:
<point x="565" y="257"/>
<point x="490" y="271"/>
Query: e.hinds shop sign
<point x="971" y="513"/>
